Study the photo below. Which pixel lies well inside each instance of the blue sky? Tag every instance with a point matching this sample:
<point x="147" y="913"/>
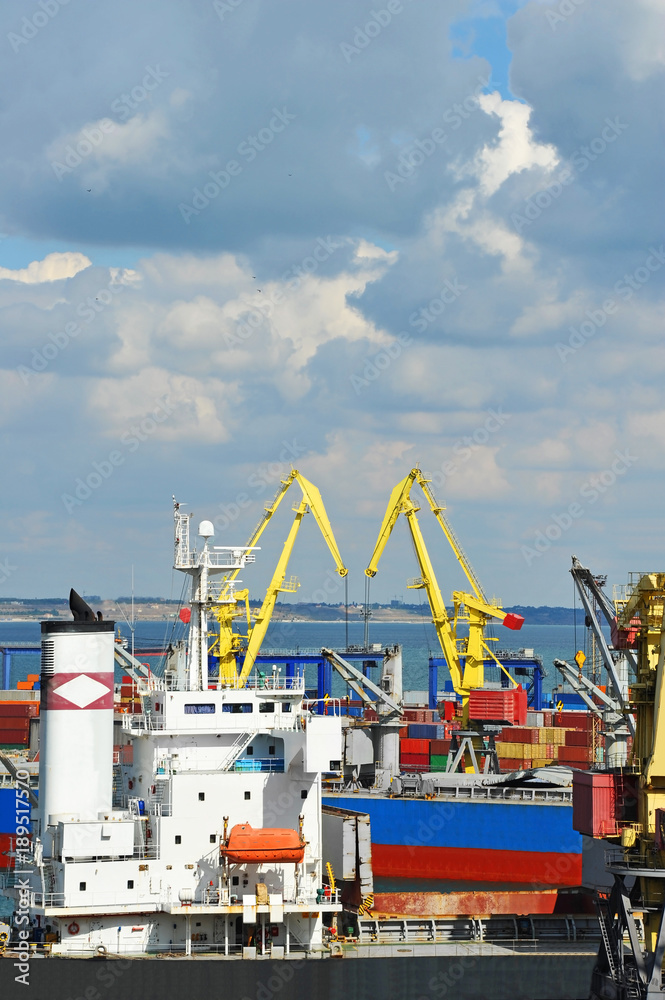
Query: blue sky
<point x="237" y="237"/>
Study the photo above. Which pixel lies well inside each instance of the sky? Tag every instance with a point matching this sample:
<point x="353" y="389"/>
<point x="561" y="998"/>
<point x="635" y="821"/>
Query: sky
<point x="242" y="236"/>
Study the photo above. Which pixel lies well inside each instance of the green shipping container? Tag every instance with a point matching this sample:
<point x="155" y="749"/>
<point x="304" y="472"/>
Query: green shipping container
<point x="438" y="762"/>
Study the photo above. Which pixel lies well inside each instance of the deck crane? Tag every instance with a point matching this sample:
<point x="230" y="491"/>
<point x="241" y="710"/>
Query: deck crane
<point x="637" y="972"/>
<point x="229" y="645"/>
<point x="465" y="656"/>
<point x="619" y="664"/>
<point x="605" y="707"/>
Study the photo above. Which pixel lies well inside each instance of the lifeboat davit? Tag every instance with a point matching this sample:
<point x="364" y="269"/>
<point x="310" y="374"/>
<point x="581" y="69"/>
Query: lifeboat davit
<point x="249" y="846"/>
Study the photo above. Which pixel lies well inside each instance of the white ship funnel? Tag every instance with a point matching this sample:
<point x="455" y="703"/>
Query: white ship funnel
<point x="76" y="728"/>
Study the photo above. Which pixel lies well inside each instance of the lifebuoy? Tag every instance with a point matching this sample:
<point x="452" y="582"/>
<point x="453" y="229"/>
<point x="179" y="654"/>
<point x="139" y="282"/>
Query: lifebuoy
<point x="73" y="928"/>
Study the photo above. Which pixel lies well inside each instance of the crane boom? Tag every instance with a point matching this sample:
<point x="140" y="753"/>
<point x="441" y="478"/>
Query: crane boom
<point x="466" y="673"/>
<point x="229" y="643"/>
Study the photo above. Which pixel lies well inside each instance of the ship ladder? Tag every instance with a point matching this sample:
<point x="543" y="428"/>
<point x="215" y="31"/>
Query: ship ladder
<point x="117" y="785"/>
<point x="606" y="941"/>
<point x="241" y="742"/>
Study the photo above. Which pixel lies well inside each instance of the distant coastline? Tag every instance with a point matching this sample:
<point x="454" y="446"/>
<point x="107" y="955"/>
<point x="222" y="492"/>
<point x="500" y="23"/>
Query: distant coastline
<point x="15" y="610"/>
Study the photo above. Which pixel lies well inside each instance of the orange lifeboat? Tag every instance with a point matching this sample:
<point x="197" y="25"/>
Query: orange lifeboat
<point x="249" y="846"/>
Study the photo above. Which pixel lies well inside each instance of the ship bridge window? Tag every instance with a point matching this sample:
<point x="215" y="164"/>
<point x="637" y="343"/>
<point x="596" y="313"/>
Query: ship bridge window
<point x="238" y="707"/>
<point x="286" y="706"/>
<point x="266" y="706"/>
<point x="201" y="709"/>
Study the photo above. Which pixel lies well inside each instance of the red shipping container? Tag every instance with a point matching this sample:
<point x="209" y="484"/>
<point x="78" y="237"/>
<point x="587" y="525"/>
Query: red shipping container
<point x="19" y="710"/>
<point x="506" y="705"/>
<point x="547" y="718"/>
<point x="625" y="638"/>
<point x="446" y="711"/>
<point x="523" y="734"/>
<point x="404" y="731"/>
<point x="573" y="720"/>
<point x="578" y="738"/>
<point x="572" y="755"/>
<point x="415" y="746"/>
<point x="419" y="761"/>
<point x="439" y="747"/>
<point x="14" y="726"/>
<point x="410" y="715"/>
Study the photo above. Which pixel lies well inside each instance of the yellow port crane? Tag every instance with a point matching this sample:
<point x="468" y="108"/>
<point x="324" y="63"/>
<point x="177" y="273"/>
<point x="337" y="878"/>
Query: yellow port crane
<point x="227" y="605"/>
<point x="638" y="803"/>
<point x="465" y="656"/>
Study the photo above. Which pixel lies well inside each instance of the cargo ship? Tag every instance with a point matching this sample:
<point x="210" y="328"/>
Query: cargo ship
<point x="191" y="825"/>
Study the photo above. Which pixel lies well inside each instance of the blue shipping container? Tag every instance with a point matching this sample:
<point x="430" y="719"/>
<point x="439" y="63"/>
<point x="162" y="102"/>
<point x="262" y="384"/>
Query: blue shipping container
<point x="426" y="731"/>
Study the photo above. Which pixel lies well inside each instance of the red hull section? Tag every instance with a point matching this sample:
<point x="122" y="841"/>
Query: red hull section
<point x="463" y="904"/>
<point x="469" y="864"/>
<point x="6" y="845"/>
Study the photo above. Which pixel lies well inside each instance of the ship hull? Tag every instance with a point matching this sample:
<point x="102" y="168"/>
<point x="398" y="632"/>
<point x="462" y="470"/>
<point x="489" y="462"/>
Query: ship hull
<point x="520" y="843"/>
<point x="461" y="974"/>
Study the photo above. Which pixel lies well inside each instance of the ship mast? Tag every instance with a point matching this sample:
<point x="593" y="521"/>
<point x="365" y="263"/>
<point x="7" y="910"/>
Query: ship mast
<point x="202" y="567"/>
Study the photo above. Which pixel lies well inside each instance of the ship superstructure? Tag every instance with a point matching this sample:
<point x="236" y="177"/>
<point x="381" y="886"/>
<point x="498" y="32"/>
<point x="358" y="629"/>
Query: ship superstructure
<point x="204" y="832"/>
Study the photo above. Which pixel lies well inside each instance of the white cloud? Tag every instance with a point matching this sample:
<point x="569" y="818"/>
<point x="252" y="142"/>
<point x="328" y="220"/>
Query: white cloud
<point x="54" y="267"/>
<point x="516" y="149"/>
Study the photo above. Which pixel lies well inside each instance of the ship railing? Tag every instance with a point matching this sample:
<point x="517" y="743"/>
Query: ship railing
<point x="616" y="858"/>
<point x="269" y="682"/>
<point x="60" y="900"/>
<point x="142" y="722"/>
<point x="209" y="764"/>
<point x="331" y="706"/>
<point x="223" y="897"/>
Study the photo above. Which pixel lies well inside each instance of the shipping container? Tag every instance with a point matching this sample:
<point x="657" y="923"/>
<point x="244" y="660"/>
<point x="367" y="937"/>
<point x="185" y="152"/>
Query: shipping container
<point x="439" y="747"/>
<point x="572" y="754"/>
<point x="418" y="761"/>
<point x="578" y="737"/>
<point x="521" y="734"/>
<point x="438" y="762"/>
<point x="414" y="746"/>
<point x="448" y="710"/>
<point x="518" y="751"/>
<point x="427" y="731"/>
<point x="573" y="720"/>
<point x="499" y="706"/>
<point x="20" y="710"/>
